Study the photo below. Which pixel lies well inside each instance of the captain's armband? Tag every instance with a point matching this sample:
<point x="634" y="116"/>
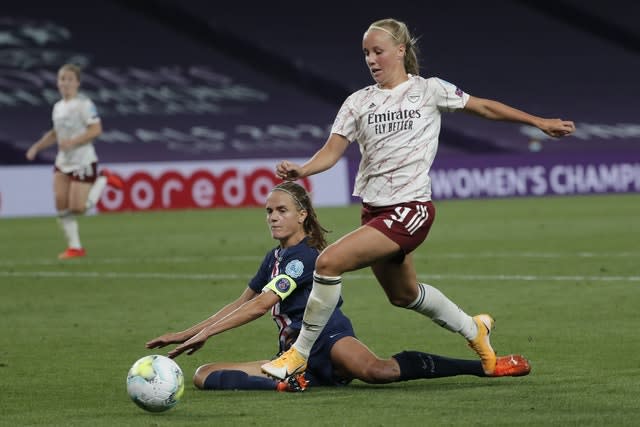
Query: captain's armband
<point x="282" y="285"/>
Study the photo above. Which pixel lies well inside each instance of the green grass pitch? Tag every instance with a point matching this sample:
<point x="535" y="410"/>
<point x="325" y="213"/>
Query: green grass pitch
<point x="560" y="275"/>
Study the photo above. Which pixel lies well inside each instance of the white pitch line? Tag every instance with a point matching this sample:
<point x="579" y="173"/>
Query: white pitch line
<point x="112" y="275"/>
<point x="213" y="276"/>
<point x="146" y="260"/>
<point x="533" y="255"/>
<point x="242" y="258"/>
<point x="534" y="278"/>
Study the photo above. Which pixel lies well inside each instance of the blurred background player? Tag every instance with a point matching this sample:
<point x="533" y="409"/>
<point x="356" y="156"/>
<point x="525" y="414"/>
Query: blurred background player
<point x="76" y="184"/>
<point x="282" y="285"/>
<point x="396" y="123"/>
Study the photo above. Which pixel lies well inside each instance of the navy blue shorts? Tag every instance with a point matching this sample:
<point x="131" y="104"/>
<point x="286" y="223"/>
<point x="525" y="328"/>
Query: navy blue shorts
<point x="320" y="371"/>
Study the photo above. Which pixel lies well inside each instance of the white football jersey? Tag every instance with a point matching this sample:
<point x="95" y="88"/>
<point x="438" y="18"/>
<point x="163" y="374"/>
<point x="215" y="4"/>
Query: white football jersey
<point x="70" y="119"/>
<point x="397" y="130"/>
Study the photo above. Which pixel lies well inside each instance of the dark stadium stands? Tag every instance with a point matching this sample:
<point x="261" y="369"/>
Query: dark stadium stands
<point x="193" y="80"/>
<point x="523" y="52"/>
<point x="162" y="95"/>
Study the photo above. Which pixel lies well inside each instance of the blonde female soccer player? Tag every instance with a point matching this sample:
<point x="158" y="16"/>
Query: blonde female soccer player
<point x="76" y="184"/>
<point x="396" y="122"/>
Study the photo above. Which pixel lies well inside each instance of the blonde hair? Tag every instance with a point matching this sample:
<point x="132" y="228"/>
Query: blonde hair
<point x="73" y="68"/>
<point x="400" y="34"/>
<point x="312" y="228"/>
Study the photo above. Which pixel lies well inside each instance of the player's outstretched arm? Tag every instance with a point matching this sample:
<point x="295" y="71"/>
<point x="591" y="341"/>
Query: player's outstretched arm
<point x="180" y="337"/>
<point x="166" y="339"/>
<point x="494" y="110"/>
<point x="48" y="139"/>
<point x="322" y="160"/>
<point x="244" y="314"/>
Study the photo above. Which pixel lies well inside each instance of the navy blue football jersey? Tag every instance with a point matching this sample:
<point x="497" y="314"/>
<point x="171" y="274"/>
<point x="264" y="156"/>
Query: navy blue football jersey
<point x="297" y="262"/>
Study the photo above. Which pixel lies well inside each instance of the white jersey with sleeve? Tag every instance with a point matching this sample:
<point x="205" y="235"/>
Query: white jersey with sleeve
<point x="70" y="119"/>
<point x="397" y="131"/>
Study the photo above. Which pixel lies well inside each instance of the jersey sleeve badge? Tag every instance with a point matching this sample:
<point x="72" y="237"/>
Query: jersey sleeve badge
<point x="294" y="268"/>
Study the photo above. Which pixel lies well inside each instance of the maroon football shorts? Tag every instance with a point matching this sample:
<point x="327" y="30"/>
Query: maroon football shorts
<point x="87" y="173"/>
<point x="407" y="224"/>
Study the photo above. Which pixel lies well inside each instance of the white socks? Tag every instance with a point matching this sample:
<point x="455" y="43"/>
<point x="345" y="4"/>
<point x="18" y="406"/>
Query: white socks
<point x="68" y="221"/>
<point x="96" y="191"/>
<point x="323" y="300"/>
<point x="69" y="226"/>
<point x="435" y="305"/>
<point x="431" y="302"/>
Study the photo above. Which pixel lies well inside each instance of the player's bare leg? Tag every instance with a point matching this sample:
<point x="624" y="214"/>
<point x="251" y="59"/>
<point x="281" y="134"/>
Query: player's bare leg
<point x="400" y="283"/>
<point x="66" y="202"/>
<point x="353" y="360"/>
<point x="358" y="249"/>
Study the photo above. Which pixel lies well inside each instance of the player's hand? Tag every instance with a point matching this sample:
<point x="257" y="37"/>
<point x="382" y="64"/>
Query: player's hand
<point x="557" y="127"/>
<point x="31" y="153"/>
<point x="165" y="340"/>
<point x="288" y="171"/>
<point x="191" y="346"/>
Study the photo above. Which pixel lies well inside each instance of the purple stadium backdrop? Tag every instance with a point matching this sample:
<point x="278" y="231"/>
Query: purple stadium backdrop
<point x="167" y="99"/>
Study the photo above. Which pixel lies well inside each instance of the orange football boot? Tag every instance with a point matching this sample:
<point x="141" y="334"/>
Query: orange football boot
<point x="513" y="365"/>
<point x="72" y="253"/>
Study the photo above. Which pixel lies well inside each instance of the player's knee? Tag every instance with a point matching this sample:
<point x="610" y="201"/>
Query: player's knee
<point x="77" y="210"/>
<point x="200" y="376"/>
<point x="327" y="264"/>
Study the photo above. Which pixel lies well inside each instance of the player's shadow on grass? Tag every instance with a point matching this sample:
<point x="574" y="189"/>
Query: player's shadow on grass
<point x="435" y="385"/>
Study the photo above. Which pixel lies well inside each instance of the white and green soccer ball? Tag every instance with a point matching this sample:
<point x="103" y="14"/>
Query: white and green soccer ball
<point x="155" y="383"/>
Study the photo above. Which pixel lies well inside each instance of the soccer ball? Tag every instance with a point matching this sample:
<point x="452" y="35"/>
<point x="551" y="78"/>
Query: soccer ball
<point x="155" y="383"/>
